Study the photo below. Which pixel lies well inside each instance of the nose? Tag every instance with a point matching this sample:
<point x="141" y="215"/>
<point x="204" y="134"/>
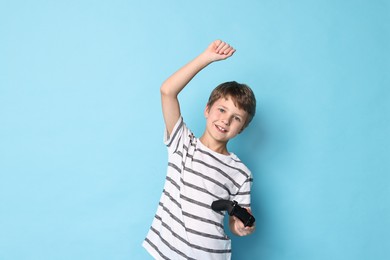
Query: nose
<point x="226" y="121"/>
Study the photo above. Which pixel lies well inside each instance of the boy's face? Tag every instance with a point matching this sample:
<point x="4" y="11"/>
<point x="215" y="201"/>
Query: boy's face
<point x="224" y="120"/>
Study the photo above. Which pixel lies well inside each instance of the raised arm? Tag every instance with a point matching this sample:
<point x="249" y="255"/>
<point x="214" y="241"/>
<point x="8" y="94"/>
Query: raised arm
<point x="217" y="50"/>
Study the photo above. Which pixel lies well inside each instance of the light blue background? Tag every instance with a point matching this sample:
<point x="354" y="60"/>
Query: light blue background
<point x="82" y="163"/>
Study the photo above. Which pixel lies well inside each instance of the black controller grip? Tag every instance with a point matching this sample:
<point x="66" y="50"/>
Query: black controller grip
<point x="234" y="209"/>
<point x="221" y="205"/>
<point x="243" y="215"/>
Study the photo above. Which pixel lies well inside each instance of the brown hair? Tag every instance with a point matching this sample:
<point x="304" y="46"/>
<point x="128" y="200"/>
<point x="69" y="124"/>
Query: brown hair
<point x="241" y="94"/>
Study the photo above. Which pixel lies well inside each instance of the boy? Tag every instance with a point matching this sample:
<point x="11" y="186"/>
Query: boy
<point x="201" y="170"/>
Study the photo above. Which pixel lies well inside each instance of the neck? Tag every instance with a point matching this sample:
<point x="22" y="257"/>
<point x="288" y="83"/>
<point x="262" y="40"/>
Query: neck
<point x="217" y="147"/>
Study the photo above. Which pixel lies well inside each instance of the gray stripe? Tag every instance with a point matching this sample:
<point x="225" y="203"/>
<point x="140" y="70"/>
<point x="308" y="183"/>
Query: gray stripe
<point x="243" y="193"/>
<point x="201" y="189"/>
<point x="174" y="166"/>
<point x="171" y="198"/>
<point x="207" y="178"/>
<point x="202" y="219"/>
<point x="202" y="176"/>
<point x="186" y="198"/>
<point x="172" y="136"/>
<point x="195" y="232"/>
<point x="174" y="249"/>
<point x="195" y="202"/>
<point x="173" y="182"/>
<point x="209" y="250"/>
<point x="206" y="235"/>
<point x="177" y="144"/>
<point x="180" y="153"/>
<point x="156" y="248"/>
<point x="199" y="203"/>
<point x="191" y="186"/>
<point x="191" y="230"/>
<point x="218" y="170"/>
<point x="170" y="214"/>
<point x="221" y="162"/>
<point x="190" y="216"/>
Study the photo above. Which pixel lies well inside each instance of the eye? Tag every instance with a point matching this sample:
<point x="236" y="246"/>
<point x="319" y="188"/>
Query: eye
<point x="221" y="110"/>
<point x="237" y="118"/>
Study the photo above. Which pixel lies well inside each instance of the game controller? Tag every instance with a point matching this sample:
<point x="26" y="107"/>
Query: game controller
<point x="234" y="209"/>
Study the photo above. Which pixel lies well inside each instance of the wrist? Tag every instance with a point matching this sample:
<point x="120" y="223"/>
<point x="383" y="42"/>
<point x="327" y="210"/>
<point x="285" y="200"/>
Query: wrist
<point x="205" y="59"/>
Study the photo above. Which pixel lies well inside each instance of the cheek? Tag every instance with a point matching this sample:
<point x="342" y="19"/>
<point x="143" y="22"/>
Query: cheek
<point x="237" y="131"/>
<point x="212" y="115"/>
<point x="238" y="128"/>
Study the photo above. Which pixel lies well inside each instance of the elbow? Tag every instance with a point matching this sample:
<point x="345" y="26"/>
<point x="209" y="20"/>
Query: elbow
<point x="166" y="90"/>
<point x="163" y="90"/>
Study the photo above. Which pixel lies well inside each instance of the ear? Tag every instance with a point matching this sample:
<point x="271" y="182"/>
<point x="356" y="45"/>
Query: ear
<point x="206" y="111"/>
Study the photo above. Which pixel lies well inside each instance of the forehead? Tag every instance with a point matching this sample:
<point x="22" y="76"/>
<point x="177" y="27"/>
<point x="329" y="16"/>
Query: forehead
<point x="229" y="104"/>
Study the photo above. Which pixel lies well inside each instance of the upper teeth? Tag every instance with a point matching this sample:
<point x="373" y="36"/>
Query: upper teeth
<point x="220" y="128"/>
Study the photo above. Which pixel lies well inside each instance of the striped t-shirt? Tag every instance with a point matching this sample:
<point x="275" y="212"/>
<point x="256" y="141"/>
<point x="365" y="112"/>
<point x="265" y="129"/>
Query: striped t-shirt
<point x="185" y="226"/>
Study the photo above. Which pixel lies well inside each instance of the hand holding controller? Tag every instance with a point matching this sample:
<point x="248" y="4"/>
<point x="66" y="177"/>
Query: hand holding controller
<point x="234" y="209"/>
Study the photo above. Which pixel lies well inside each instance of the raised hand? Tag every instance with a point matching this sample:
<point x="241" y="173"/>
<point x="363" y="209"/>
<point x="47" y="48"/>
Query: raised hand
<point x="219" y="50"/>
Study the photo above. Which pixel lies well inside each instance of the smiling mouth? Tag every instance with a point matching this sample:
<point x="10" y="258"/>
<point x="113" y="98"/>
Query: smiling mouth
<point x="221" y="129"/>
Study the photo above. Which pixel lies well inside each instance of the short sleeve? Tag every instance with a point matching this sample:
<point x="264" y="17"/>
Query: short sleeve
<point x="243" y="196"/>
<point x="178" y="138"/>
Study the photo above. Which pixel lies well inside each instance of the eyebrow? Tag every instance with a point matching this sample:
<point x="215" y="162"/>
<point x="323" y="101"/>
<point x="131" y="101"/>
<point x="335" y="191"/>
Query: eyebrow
<point x="239" y="115"/>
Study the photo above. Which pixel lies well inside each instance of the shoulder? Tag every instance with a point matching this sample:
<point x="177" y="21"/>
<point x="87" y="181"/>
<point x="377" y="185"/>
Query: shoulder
<point x="239" y="164"/>
<point x="180" y="136"/>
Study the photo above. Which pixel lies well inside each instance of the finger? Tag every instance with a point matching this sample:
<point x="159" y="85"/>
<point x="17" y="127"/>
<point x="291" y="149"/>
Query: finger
<point x="249" y="228"/>
<point x="239" y="224"/>
<point x="216" y="44"/>
<point x="225" y="49"/>
<point x="230" y="53"/>
<point x="220" y="46"/>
